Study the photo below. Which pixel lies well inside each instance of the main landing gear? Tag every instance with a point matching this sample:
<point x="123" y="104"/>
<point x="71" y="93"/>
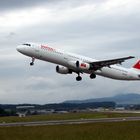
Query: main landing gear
<point x="79" y="78"/>
<point x="92" y="76"/>
<point x="32" y="63"/>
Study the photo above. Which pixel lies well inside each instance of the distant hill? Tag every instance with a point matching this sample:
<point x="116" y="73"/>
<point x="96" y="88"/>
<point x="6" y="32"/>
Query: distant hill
<point x="131" y="98"/>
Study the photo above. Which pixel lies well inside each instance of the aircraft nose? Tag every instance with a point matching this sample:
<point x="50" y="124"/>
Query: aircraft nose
<point x="19" y="48"/>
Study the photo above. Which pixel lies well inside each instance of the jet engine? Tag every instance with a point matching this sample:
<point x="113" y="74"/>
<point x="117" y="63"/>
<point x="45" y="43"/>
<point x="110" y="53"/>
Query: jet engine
<point x="80" y="65"/>
<point x="63" y="70"/>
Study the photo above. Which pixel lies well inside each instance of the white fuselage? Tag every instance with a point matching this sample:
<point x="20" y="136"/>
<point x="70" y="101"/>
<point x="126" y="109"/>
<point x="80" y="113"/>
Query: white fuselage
<point x="63" y="58"/>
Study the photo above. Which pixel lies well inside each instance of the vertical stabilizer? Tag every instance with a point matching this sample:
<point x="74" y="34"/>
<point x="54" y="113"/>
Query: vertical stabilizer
<point x="137" y="65"/>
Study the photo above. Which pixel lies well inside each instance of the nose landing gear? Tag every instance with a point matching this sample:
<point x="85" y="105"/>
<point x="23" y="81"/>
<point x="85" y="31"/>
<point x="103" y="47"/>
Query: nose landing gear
<point x="32" y="63"/>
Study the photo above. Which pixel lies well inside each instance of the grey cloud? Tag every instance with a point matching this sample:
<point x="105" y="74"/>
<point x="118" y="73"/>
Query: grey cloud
<point x="8" y="5"/>
<point x="13" y="4"/>
<point x="102" y="36"/>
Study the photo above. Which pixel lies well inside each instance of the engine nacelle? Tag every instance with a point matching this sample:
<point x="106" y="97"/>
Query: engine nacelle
<point x="83" y="65"/>
<point x="80" y="65"/>
<point x="63" y="70"/>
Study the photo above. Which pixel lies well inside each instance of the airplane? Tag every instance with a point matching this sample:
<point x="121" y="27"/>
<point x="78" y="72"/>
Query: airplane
<point x="68" y="63"/>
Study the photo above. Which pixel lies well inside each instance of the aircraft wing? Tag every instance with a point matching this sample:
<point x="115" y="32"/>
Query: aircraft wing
<point x="107" y="63"/>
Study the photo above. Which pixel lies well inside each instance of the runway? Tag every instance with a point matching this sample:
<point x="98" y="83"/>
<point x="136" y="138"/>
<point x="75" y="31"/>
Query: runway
<point x="76" y="121"/>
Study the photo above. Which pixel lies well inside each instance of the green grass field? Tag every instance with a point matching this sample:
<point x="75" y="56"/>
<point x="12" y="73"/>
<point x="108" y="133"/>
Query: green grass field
<point x="66" y="116"/>
<point x="93" y="131"/>
<point x="97" y="131"/>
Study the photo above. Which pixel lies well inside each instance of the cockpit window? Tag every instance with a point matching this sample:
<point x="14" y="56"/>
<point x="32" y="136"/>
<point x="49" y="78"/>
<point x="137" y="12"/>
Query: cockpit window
<point x="27" y="44"/>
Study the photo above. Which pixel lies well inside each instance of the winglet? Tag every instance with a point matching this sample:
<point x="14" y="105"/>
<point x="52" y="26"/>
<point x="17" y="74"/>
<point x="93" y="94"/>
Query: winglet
<point x="130" y="57"/>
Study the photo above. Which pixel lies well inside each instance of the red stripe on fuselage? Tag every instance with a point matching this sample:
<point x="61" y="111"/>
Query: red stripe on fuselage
<point x="47" y="48"/>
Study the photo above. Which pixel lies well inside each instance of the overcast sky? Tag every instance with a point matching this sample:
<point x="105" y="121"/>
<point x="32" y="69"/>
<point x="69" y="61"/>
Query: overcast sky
<point x="101" y="29"/>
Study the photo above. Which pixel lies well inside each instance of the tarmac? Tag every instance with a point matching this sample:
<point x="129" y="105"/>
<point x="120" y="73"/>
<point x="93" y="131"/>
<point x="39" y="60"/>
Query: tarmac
<point x="66" y="122"/>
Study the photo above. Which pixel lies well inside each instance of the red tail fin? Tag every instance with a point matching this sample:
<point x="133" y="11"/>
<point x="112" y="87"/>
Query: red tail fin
<point x="137" y="65"/>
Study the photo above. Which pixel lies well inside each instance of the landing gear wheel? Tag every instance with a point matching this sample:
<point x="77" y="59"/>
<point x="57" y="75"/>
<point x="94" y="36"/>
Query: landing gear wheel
<point x="78" y="78"/>
<point x="92" y="76"/>
<point x="31" y="64"/>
